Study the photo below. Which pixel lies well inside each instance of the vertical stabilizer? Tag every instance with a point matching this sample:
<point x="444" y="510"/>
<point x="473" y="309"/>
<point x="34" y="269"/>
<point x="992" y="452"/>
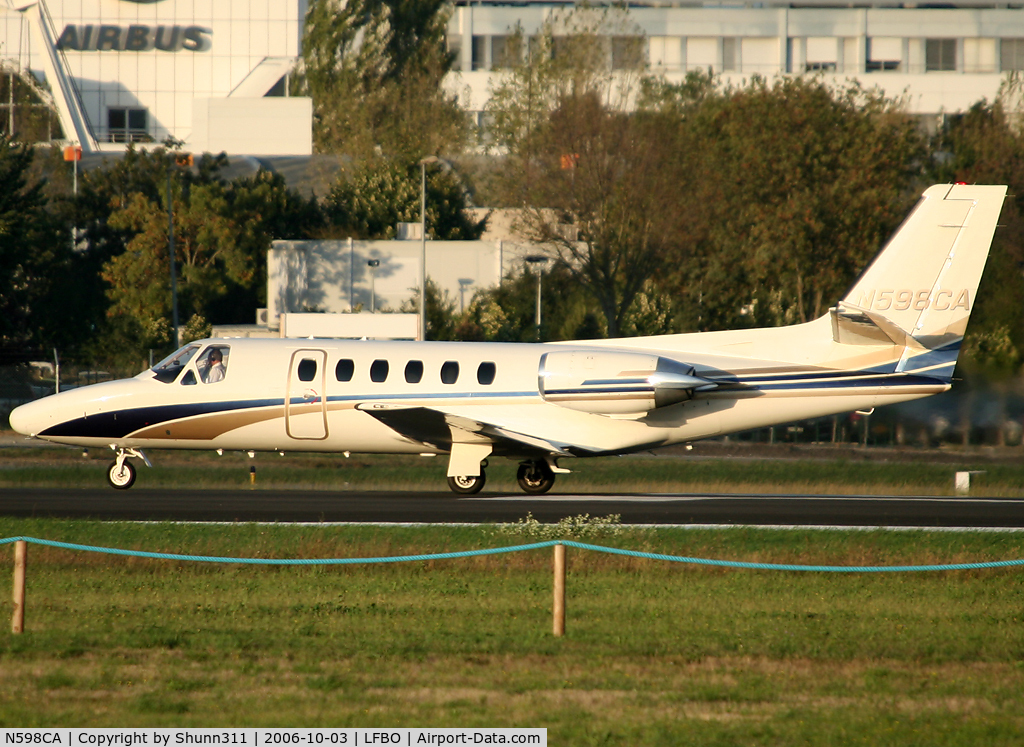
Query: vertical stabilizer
<point x="921" y="289"/>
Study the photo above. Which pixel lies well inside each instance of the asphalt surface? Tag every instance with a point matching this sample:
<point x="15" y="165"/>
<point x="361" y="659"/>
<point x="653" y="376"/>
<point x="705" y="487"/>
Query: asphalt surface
<point x="141" y="504"/>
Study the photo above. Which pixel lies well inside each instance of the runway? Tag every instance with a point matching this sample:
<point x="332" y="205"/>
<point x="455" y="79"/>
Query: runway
<point x="270" y="505"/>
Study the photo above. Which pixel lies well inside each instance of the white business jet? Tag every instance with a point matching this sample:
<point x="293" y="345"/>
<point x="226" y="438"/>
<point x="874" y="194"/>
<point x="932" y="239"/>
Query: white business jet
<point x="894" y="337"/>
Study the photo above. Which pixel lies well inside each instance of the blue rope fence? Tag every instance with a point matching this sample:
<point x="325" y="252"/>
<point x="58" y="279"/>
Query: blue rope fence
<point x="521" y="548"/>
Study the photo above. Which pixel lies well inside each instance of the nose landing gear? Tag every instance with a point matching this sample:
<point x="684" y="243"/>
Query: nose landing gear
<point x="121" y="473"/>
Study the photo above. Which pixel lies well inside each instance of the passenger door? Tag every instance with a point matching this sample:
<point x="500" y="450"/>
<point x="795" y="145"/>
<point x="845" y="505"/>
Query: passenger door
<point x="305" y="410"/>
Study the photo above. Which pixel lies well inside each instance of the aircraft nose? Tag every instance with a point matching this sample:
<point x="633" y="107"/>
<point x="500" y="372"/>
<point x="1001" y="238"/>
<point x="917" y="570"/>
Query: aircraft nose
<point x="30" y="418"/>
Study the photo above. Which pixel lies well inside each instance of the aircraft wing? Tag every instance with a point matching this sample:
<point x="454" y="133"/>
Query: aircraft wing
<point x="438" y="429"/>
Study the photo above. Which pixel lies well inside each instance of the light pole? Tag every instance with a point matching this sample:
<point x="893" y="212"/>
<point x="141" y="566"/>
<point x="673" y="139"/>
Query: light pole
<point x="423" y="243"/>
<point x="73" y="153"/>
<point x="373" y="264"/>
<point x="541" y="261"/>
<point x="170" y="240"/>
<point x="174" y="159"/>
<point x="423" y="237"/>
<point x="463" y="284"/>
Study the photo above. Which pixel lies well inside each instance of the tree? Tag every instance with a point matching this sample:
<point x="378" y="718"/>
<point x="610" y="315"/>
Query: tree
<point x="375" y="72"/>
<point x="265" y="208"/>
<point x="38" y="268"/>
<point x="507" y="312"/>
<point x="102" y="192"/>
<point x="795" y="186"/>
<point x="209" y="255"/>
<point x="603" y="180"/>
<point x="383" y="192"/>
<point x="588" y="176"/>
<point x="574" y="55"/>
<point x="222" y="234"/>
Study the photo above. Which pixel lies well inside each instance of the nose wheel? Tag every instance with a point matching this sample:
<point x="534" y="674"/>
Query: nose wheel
<point x="121" y="476"/>
<point x="121" y="472"/>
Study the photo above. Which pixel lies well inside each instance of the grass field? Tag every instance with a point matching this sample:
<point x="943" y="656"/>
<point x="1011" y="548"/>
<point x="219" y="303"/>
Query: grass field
<point x="655" y="653"/>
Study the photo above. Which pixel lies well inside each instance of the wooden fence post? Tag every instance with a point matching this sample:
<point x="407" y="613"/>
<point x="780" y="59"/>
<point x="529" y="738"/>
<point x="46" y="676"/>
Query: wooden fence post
<point x="20" y="559"/>
<point x="559" y="601"/>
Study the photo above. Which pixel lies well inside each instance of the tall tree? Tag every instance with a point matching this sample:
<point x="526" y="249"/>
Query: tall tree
<point x="222" y="233"/>
<point x="588" y="176"/>
<point x="209" y="256"/>
<point x="602" y="179"/>
<point x="374" y="69"/>
<point x="39" y="269"/>
<point x="795" y="186"/>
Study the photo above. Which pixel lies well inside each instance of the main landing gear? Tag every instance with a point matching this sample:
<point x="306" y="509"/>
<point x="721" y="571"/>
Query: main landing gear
<point x="468" y="484"/>
<point x="121" y="472"/>
<point x="535" y="477"/>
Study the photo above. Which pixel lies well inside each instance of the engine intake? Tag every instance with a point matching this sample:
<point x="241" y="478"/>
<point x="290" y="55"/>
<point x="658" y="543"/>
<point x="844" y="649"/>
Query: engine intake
<point x="616" y="383"/>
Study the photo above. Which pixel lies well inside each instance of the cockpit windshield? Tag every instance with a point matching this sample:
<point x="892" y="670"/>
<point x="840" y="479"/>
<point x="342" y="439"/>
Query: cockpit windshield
<point x="168" y="369"/>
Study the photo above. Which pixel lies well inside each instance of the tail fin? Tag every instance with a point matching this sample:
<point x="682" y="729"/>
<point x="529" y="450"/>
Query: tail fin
<point x="921" y="288"/>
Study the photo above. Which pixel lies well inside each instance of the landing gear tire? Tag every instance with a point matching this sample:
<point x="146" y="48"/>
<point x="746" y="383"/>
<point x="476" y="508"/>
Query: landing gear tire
<point x="121" y="477"/>
<point x="467" y="484"/>
<point x="535" y="478"/>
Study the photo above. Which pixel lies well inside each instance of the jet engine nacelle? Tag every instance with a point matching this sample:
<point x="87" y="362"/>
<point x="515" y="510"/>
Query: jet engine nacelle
<point x="614" y="383"/>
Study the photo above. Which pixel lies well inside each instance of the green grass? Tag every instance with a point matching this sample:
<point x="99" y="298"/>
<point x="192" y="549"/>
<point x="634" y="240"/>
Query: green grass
<point x="49" y="467"/>
<point x="655" y="653"/>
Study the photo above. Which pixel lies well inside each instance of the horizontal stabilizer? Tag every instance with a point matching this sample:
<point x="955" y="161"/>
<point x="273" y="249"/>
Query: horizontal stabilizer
<point x="855" y="326"/>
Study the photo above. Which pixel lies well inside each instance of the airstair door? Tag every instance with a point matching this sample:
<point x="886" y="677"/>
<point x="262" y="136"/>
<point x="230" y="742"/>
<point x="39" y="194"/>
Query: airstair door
<point x="305" y="409"/>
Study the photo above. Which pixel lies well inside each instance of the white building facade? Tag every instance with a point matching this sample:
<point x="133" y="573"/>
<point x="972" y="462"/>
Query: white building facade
<point x="211" y="73"/>
<point x="942" y="60"/>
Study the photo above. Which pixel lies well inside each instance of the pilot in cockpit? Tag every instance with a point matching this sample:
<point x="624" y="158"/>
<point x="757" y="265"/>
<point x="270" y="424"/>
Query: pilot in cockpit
<point x="213" y="369"/>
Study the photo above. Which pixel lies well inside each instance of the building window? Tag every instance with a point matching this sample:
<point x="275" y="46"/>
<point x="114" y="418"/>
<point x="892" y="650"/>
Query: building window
<point x="877" y="66"/>
<point x="505" y="52"/>
<point x="485" y="373"/>
<point x="454" y="42"/>
<point x="414" y="372"/>
<point x="449" y="372"/>
<point x="813" y="67"/>
<point x="885" y="54"/>
<point x="627" y="52"/>
<point x="379" y="371"/>
<point x="730" y="54"/>
<point x="344" y="370"/>
<point x="126" y="125"/>
<point x="940" y="55"/>
<point x="479" y="52"/>
<point x="1011" y="54"/>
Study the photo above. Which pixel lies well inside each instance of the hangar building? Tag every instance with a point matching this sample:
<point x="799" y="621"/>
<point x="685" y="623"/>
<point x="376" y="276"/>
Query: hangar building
<point x="211" y="73"/>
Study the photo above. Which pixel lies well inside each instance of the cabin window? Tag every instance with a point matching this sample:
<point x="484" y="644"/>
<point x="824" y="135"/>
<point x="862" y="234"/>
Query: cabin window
<point x="344" y="370"/>
<point x="213" y="364"/>
<point x="449" y="372"/>
<point x="188" y="379"/>
<point x="414" y="371"/>
<point x="307" y="369"/>
<point x="379" y="371"/>
<point x="485" y="372"/>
